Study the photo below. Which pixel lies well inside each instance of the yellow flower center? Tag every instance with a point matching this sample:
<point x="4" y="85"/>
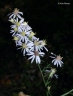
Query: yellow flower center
<point x="36" y="43"/>
<point x="17" y="24"/>
<point x="44" y="42"/>
<point x="25" y="23"/>
<point x="32" y="34"/>
<point x="23" y="33"/>
<point x="12" y="21"/>
<point x="15" y="29"/>
<point x="16" y="38"/>
<point x="59" y="57"/>
<point x="24" y="46"/>
<point x="16" y="11"/>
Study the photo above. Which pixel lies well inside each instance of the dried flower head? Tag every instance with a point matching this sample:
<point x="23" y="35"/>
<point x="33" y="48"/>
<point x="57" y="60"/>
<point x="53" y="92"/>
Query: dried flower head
<point x="52" y="72"/>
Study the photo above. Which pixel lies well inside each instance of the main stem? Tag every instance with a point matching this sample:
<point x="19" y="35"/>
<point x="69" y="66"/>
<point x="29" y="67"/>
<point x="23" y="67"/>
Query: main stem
<point x="42" y="75"/>
<point x="43" y="80"/>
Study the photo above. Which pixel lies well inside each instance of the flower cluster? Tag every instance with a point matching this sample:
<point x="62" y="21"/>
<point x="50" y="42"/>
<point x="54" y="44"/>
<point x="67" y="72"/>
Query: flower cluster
<point x="25" y="38"/>
<point x="32" y="46"/>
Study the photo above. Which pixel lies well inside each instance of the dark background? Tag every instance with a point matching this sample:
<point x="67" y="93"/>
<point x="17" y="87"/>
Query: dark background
<point x="51" y="21"/>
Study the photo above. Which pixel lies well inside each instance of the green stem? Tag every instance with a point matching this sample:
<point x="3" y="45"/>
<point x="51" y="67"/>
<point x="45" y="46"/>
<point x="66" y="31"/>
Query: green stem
<point x="42" y="74"/>
<point x="48" y="93"/>
<point x="46" y="67"/>
<point x="44" y="80"/>
<point x="47" y="80"/>
<point x="67" y="93"/>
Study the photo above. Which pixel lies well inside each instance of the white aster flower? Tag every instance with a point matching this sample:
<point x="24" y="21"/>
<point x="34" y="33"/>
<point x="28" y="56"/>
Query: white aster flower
<point x="26" y="26"/>
<point x="37" y="45"/>
<point x="18" y="25"/>
<point x="42" y="45"/>
<point x="36" y="55"/>
<point x="23" y="36"/>
<point x="17" y="40"/>
<point x="34" y="38"/>
<point x="11" y="20"/>
<point x="15" y="13"/>
<point x="31" y="36"/>
<point x="14" y="31"/>
<point x="57" y="60"/>
<point x="26" y="47"/>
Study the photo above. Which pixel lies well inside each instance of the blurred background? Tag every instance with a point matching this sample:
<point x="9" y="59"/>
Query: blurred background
<point x="51" y="21"/>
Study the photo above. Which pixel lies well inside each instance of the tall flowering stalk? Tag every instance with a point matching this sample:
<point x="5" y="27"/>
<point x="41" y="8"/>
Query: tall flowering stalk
<point x="32" y="46"/>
